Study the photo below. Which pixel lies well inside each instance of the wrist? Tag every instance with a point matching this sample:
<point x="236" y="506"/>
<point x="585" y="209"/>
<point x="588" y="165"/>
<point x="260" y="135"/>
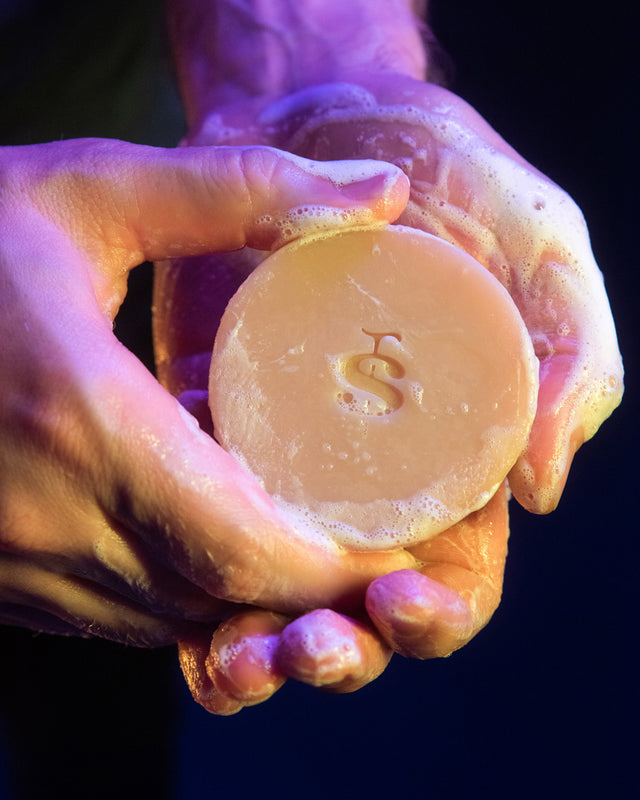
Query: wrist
<point x="228" y="51"/>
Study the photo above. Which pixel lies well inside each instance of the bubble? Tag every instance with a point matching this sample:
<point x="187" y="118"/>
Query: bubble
<point x="417" y="392"/>
<point x="405" y="164"/>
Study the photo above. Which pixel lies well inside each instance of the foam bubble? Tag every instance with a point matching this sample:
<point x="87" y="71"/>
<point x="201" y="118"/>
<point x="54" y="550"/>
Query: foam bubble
<point x="379" y="524"/>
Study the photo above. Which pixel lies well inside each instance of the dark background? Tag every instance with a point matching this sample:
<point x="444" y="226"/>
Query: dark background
<point x="544" y="702"/>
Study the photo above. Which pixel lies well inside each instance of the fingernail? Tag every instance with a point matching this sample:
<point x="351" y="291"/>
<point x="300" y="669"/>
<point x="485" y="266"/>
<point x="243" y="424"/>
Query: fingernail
<point x="245" y="669"/>
<point x="318" y="649"/>
<point x="359" y="179"/>
<point x="366" y="188"/>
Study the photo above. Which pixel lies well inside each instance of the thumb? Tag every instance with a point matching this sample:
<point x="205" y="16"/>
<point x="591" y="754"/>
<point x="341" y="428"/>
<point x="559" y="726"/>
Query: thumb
<point x="125" y="204"/>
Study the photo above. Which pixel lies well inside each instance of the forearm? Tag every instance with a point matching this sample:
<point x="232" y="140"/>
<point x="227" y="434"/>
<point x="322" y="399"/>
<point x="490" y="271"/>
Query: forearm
<point x="227" y="50"/>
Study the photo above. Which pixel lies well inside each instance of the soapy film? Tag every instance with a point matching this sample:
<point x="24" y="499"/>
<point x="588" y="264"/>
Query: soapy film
<point x="319" y="217"/>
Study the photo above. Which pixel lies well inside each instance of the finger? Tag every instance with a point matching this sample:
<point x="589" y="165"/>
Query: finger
<point x="539" y="476"/>
<point x="419" y="617"/>
<point x="580" y="386"/>
<point x="37" y="598"/>
<point x="189" y="298"/>
<point x="241" y="661"/>
<point x="114" y="558"/>
<point x="59" y="529"/>
<point x="237" y="666"/>
<point x="331" y="651"/>
<point x="433" y="612"/>
<point x="193" y="652"/>
<point x="128" y="203"/>
<point x="33" y="619"/>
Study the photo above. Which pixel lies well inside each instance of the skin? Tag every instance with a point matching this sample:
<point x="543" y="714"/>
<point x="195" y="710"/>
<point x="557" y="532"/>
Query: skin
<point x="119" y="517"/>
<point x="284" y="95"/>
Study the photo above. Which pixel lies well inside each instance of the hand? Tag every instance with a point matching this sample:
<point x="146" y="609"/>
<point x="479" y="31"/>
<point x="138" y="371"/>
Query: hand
<point x="421" y="613"/>
<point x="118" y="516"/>
<point x="469" y="187"/>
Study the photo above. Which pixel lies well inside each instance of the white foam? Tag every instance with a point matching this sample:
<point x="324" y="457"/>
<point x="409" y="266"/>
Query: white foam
<point x="309" y="220"/>
<point x="382" y="523"/>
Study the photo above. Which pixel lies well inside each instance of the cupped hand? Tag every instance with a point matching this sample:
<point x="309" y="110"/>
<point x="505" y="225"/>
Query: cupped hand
<point x="471" y="188"/>
<point x="422" y="613"/>
<point x="118" y="515"/>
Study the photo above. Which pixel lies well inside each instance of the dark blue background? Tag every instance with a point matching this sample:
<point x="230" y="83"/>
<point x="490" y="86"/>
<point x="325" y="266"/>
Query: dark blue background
<point x="545" y="701"/>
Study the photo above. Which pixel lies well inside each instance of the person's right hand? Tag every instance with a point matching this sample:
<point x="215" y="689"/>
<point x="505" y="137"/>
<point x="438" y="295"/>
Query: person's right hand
<point x="118" y="516"/>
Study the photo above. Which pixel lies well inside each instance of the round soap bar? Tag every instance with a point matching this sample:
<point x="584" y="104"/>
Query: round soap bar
<point x="380" y="384"/>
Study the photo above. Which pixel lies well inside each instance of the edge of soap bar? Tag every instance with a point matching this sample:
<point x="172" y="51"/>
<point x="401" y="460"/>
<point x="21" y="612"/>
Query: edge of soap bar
<point x="432" y="512"/>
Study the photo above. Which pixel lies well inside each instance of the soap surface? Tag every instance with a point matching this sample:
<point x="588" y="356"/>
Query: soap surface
<point x="380" y="383"/>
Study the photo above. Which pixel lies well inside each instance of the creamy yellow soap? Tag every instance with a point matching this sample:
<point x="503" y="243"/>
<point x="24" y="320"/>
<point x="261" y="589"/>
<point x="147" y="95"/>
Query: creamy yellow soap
<point x="380" y="383"/>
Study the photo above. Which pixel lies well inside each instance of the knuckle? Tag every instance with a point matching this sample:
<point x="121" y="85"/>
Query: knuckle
<point x="239" y="578"/>
<point x="258" y="164"/>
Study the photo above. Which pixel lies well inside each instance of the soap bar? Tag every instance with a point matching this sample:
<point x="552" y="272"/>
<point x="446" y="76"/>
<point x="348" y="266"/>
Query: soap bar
<point x="379" y="383"/>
